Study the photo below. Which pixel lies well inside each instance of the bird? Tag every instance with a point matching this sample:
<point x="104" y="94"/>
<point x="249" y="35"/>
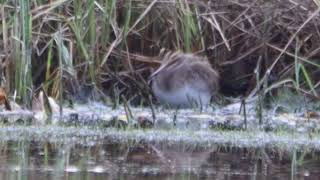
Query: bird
<point x="184" y="80"/>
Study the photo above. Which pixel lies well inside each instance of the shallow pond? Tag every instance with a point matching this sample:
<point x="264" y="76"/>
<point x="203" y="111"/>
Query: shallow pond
<point x="139" y="160"/>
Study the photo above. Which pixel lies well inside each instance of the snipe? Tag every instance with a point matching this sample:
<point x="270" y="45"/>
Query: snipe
<point x="184" y="81"/>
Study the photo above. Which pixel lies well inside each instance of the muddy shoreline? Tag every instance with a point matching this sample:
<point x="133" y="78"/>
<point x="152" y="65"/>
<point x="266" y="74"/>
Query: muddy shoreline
<point x="97" y="123"/>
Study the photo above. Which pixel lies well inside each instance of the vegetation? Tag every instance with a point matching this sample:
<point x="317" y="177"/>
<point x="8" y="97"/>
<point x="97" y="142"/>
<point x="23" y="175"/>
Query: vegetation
<point x="66" y="46"/>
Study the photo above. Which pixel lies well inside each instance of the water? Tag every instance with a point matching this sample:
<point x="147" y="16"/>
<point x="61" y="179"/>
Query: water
<point x="139" y="160"/>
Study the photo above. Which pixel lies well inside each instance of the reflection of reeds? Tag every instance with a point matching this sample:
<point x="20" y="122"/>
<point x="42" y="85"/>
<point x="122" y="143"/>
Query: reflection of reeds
<point x="98" y="42"/>
<point x="28" y="159"/>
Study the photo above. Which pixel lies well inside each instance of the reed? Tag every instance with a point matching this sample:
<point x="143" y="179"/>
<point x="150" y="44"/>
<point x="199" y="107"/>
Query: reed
<point x="22" y="49"/>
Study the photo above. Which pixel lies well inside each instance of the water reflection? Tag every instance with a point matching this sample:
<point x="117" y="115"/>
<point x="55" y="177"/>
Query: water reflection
<point x="34" y="160"/>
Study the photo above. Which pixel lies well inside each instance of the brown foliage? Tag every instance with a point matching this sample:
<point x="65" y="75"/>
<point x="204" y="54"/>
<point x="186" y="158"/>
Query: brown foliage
<point x="4" y="100"/>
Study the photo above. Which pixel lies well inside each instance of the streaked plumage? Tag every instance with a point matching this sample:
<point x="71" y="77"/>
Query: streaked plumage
<point x="184" y="80"/>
